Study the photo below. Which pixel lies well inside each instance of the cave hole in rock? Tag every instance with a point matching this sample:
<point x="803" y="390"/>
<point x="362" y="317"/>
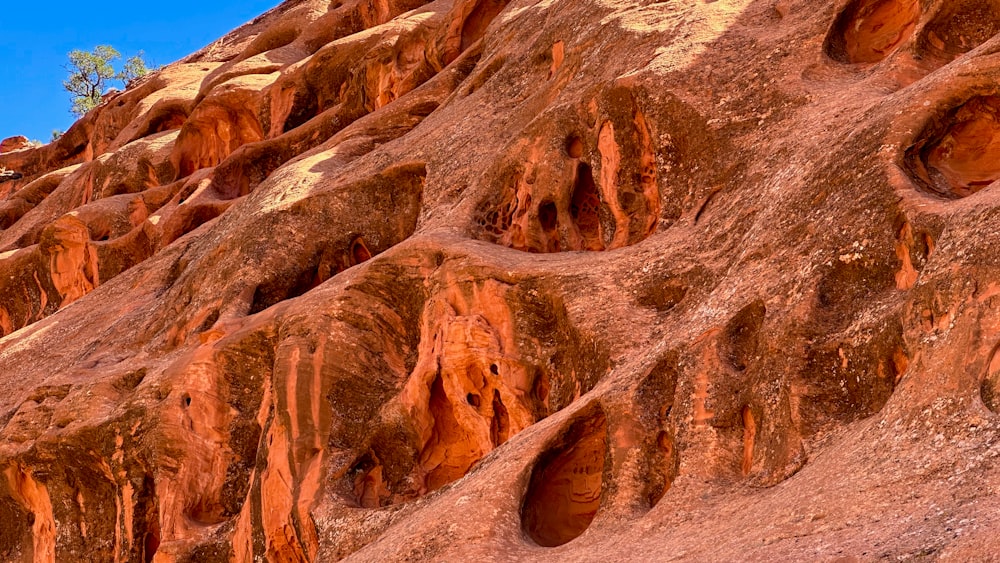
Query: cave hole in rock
<point x="958" y="154"/>
<point x="186" y="192"/>
<point x="395" y="195"/>
<point x="474" y="26"/>
<point x="548" y="219"/>
<point x="11" y="213"/>
<point x="212" y="133"/>
<point x="655" y="393"/>
<point x="662" y="296"/>
<point x="148" y="518"/>
<point x="500" y="424"/>
<point x="359" y="251"/>
<point x="585" y="208"/>
<point x="459" y="406"/>
<point x="209" y="321"/>
<point x="65" y="151"/>
<point x="450" y="453"/>
<point x="741" y="337"/>
<point x="842" y="381"/>
<point x="206" y="514"/>
<point x="958" y="27"/>
<point x="305" y="106"/>
<point x="867" y="31"/>
<point x="369" y="486"/>
<point x="281" y="289"/>
<point x="165" y="119"/>
<point x="464" y="415"/>
<point x="150" y="543"/>
<point x="567" y="482"/>
<point x="548" y="216"/>
<point x="574" y="146"/>
<point x="989" y="387"/>
<point x="654" y="400"/>
<point x="659" y="480"/>
<point x="248" y="166"/>
<point x="131" y="379"/>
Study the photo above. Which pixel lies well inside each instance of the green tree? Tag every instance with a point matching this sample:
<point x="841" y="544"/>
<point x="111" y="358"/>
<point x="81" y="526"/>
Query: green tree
<point x="89" y="75"/>
<point x="133" y="69"/>
<point x="92" y="72"/>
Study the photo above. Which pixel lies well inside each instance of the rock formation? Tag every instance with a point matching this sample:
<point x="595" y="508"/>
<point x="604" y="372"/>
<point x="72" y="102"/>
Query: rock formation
<point x="11" y="144"/>
<point x="485" y="280"/>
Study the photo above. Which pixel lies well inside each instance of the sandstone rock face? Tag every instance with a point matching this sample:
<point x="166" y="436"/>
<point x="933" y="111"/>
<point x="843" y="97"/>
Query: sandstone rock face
<point x="483" y="280"/>
<point x="11" y="144"/>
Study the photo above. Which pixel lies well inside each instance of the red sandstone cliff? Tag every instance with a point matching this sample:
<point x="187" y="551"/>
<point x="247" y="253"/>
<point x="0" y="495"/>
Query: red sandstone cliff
<point x="486" y="281"/>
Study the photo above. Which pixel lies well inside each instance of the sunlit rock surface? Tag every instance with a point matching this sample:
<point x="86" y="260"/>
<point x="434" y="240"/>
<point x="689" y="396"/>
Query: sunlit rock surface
<point x="475" y="280"/>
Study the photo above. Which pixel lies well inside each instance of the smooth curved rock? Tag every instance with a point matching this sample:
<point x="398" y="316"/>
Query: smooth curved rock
<point x="471" y="280"/>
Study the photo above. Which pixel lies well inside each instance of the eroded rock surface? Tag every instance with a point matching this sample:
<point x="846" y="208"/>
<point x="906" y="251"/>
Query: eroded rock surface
<point x="484" y="280"/>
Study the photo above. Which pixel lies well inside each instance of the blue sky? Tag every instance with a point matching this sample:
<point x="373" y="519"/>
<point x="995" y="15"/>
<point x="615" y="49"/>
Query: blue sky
<point x="36" y="35"/>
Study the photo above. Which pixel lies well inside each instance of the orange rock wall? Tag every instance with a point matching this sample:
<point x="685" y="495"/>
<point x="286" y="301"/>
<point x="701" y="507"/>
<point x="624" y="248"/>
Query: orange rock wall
<point x="478" y="280"/>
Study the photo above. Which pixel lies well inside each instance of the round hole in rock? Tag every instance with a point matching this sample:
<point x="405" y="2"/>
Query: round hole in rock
<point x="473" y="399"/>
<point x="661" y="471"/>
<point x="150" y="544"/>
<point x="475" y="24"/>
<point x="566" y="484"/>
<point x="989" y="387"/>
<point x="585" y="208"/>
<point x="500" y="425"/>
<point x="574" y="147"/>
<point x="548" y="216"/>
<point x="867" y="31"/>
<point x="741" y="337"/>
<point x="959" y="27"/>
<point x="959" y="154"/>
<point x="186" y="400"/>
<point x="359" y="252"/>
<point x="132" y="379"/>
<point x="151" y="539"/>
<point x="494" y="369"/>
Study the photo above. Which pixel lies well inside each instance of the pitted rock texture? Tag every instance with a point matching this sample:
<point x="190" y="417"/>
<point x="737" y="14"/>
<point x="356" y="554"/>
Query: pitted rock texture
<point x="475" y="280"/>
